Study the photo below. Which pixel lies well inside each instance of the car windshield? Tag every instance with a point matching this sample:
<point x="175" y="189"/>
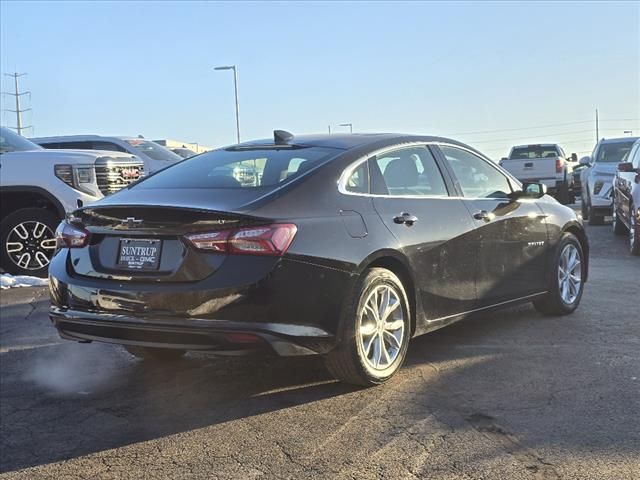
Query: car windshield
<point x="12" y="142"/>
<point x="613" y="152"/>
<point x="534" y="151"/>
<point x="240" y="168"/>
<point x="153" y="150"/>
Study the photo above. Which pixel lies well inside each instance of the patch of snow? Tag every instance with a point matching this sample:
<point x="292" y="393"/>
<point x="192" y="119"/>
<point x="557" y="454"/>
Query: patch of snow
<point x="10" y="281"/>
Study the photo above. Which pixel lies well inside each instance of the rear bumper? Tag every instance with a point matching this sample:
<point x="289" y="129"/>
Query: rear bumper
<point x="216" y="336"/>
<point x="292" y="306"/>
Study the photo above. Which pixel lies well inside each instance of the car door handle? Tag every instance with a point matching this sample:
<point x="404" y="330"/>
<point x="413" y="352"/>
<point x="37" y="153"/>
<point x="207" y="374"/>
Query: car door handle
<point x="482" y="215"/>
<point x="406" y="219"/>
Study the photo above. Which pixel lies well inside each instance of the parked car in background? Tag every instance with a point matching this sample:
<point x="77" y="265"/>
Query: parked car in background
<point x="576" y="186"/>
<point x="344" y="246"/>
<point x="183" y="152"/>
<point x="38" y="187"/>
<point x="542" y="163"/>
<point x="626" y="198"/>
<point x="597" y="178"/>
<point x="155" y="157"/>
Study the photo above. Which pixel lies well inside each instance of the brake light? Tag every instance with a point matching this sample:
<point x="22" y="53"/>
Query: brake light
<point x="71" y="236"/>
<point x="559" y="165"/>
<point x="271" y="240"/>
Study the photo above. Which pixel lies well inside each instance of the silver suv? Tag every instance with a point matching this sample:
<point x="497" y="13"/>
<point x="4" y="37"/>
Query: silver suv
<point x="597" y="179"/>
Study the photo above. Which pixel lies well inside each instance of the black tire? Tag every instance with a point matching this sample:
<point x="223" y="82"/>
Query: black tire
<point x="595" y="219"/>
<point x="348" y="362"/>
<point x="584" y="209"/>
<point x="552" y="302"/>
<point x="617" y="226"/>
<point x="563" y="194"/>
<point x="28" y="218"/>
<point x="155" y="354"/>
<point x="634" y="231"/>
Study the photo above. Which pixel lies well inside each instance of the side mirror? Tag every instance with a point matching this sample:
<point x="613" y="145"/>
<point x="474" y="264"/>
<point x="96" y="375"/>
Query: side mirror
<point x="503" y="159"/>
<point x="533" y="190"/>
<point x="574" y="157"/>
<point x="585" y="160"/>
<point x="626" y="167"/>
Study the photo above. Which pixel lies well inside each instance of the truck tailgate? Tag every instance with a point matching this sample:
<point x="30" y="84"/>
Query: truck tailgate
<point x="531" y="169"/>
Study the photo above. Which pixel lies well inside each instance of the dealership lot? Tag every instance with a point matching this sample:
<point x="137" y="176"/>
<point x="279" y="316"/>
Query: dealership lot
<point x="513" y="395"/>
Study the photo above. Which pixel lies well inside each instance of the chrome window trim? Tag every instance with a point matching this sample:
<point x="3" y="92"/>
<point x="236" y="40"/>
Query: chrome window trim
<point x="346" y="173"/>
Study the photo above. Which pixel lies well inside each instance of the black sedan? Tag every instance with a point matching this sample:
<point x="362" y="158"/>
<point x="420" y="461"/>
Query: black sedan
<point x="345" y="246"/>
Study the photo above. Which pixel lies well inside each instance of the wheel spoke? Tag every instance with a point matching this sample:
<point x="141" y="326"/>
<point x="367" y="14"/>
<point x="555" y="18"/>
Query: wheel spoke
<point x="24" y="260"/>
<point x="377" y="351"/>
<point x="391" y="307"/>
<point x="393" y="339"/>
<point x="39" y="229"/>
<point x="48" y="244"/>
<point x="395" y="325"/>
<point x="368" y="329"/>
<point x="385" y="353"/>
<point x="41" y="258"/>
<point x="13" y="247"/>
<point x="367" y="348"/>
<point x="21" y="231"/>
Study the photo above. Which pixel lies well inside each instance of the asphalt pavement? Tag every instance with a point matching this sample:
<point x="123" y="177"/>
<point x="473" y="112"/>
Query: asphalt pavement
<point x="509" y="395"/>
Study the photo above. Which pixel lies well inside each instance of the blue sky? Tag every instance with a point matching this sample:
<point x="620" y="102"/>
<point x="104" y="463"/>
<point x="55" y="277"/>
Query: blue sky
<point x="132" y="68"/>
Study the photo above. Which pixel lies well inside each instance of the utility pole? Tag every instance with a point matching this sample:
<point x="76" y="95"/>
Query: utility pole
<point x="18" y="111"/>
<point x="597" y="129"/>
<point x="329" y="129"/>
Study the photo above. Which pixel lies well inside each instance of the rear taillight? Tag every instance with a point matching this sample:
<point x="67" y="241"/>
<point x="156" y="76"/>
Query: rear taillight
<point x="559" y="165"/>
<point x="263" y="240"/>
<point x="71" y="236"/>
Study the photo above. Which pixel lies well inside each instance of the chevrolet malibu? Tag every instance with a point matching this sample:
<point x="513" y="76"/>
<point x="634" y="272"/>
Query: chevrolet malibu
<point x="345" y="246"/>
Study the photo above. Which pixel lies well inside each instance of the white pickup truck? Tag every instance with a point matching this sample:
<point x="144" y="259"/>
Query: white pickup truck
<point x="39" y="187"/>
<point x="543" y="163"/>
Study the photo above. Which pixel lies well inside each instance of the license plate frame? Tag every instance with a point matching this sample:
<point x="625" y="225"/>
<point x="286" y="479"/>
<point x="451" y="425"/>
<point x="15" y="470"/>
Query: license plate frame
<point x="136" y="259"/>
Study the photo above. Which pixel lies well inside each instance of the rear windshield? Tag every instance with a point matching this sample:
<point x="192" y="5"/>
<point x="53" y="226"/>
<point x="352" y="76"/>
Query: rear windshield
<point x="153" y="150"/>
<point x="534" y="151"/>
<point x="613" y="152"/>
<point x="253" y="168"/>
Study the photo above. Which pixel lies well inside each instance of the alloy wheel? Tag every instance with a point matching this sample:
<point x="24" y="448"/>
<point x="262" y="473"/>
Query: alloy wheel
<point x="30" y="245"/>
<point x="570" y="274"/>
<point x="381" y="328"/>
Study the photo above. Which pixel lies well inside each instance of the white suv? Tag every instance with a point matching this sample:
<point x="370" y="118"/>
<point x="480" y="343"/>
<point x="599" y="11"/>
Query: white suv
<point x="39" y="187"/>
<point x="155" y="156"/>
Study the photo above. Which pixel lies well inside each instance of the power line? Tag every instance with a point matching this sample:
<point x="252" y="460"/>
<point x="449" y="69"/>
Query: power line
<point x="533" y="136"/>
<point x="542" y="126"/>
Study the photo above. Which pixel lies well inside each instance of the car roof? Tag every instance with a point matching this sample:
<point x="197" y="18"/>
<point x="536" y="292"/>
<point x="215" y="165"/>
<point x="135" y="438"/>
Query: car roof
<point x="536" y="145"/>
<point x="347" y="141"/>
<point x="82" y="137"/>
<point x="619" y="140"/>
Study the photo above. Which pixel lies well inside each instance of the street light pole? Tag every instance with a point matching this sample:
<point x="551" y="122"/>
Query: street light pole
<point x="350" y="125"/>
<point x="235" y="86"/>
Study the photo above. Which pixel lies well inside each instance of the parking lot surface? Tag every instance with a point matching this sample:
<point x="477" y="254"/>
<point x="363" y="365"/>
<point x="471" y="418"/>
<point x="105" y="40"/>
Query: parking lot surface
<point x="510" y="395"/>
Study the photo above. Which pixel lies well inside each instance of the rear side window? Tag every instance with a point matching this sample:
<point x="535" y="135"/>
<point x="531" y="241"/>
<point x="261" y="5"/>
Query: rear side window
<point x="358" y="181"/>
<point x="240" y="168"/>
<point x="534" y="151"/>
<point x="410" y="171"/>
<point x="476" y="177"/>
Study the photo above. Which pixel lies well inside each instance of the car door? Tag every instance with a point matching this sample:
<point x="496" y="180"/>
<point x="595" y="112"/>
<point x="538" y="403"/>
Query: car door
<point x="413" y="200"/>
<point x="624" y="183"/>
<point x="510" y="235"/>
